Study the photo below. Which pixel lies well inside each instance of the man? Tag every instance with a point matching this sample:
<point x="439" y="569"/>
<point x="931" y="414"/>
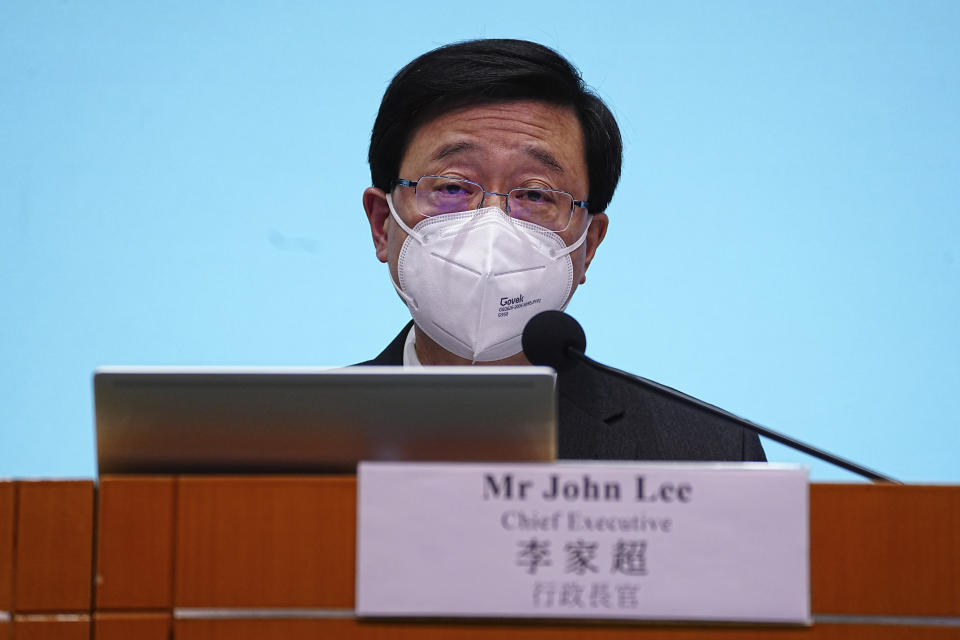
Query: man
<point x="492" y="169"/>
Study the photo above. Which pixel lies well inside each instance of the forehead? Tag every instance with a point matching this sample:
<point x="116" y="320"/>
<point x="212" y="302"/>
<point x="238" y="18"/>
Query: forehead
<point x="500" y="137"/>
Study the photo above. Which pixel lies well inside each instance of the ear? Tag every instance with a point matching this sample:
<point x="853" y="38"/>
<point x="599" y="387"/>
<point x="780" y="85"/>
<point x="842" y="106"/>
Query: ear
<point x="595" y="235"/>
<point x="378" y="214"/>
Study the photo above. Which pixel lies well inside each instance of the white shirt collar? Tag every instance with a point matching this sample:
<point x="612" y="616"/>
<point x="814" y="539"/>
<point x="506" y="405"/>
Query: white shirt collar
<point x="410" y="358"/>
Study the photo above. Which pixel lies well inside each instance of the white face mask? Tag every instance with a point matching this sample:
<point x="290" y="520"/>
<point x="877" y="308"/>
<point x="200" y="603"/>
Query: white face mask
<point x="473" y="279"/>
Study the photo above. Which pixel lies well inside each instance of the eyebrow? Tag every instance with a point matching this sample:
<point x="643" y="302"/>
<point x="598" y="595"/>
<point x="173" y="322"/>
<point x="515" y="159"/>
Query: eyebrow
<point x="543" y="157"/>
<point x="451" y="149"/>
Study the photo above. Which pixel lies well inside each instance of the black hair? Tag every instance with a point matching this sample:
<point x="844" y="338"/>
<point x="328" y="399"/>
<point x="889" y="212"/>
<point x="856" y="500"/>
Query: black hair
<point x="489" y="71"/>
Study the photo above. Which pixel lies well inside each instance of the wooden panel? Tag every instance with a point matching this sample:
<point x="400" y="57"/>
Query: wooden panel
<point x="135" y="542"/>
<point x="54" y="546"/>
<point x="875" y="549"/>
<point x="6" y="545"/>
<point x="351" y="629"/>
<point x="6" y="629"/>
<point x="265" y="541"/>
<point x="130" y="626"/>
<point x="884" y="549"/>
<point x="75" y="627"/>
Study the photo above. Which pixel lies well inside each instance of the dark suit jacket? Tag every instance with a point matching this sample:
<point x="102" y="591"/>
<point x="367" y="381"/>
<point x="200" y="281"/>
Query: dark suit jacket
<point x="604" y="418"/>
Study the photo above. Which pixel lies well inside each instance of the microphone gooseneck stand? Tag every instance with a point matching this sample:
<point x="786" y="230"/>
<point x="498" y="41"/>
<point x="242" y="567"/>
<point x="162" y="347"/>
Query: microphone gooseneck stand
<point x="748" y="424"/>
<point x="555" y="339"/>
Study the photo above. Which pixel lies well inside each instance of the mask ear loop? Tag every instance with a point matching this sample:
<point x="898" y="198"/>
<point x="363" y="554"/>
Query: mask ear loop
<point x="410" y="302"/>
<point x="403" y="225"/>
<point x="573" y="247"/>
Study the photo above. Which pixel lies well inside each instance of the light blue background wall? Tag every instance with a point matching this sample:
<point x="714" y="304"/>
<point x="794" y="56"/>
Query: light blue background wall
<point x="180" y="184"/>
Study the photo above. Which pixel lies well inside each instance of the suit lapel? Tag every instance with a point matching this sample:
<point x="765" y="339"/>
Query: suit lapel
<point x="393" y="354"/>
<point x="589" y="413"/>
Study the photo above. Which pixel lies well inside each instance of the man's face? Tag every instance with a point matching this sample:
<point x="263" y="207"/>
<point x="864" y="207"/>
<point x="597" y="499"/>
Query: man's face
<point x="500" y="146"/>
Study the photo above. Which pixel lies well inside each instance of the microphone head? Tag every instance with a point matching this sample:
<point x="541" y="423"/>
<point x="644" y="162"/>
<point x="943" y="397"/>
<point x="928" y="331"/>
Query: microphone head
<point x="547" y="337"/>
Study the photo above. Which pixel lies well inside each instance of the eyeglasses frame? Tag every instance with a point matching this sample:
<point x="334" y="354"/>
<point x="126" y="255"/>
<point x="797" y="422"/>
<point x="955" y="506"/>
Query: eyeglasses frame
<point x="484" y="193"/>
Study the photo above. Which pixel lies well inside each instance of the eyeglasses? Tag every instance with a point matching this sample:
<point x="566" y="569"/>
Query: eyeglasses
<point x="436" y="195"/>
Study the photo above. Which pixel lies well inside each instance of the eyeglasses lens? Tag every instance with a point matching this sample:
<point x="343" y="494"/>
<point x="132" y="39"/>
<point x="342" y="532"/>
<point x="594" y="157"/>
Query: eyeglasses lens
<point x="438" y="195"/>
<point x="543" y="207"/>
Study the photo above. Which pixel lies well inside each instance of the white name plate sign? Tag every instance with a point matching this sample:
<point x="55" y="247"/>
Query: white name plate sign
<point x="681" y="541"/>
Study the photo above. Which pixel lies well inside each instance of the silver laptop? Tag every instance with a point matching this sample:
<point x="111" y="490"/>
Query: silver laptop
<point x="227" y="420"/>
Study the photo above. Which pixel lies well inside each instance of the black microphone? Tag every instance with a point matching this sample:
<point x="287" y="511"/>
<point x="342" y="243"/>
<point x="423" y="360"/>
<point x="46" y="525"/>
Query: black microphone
<point x="555" y="339"/>
<point x="550" y="337"/>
